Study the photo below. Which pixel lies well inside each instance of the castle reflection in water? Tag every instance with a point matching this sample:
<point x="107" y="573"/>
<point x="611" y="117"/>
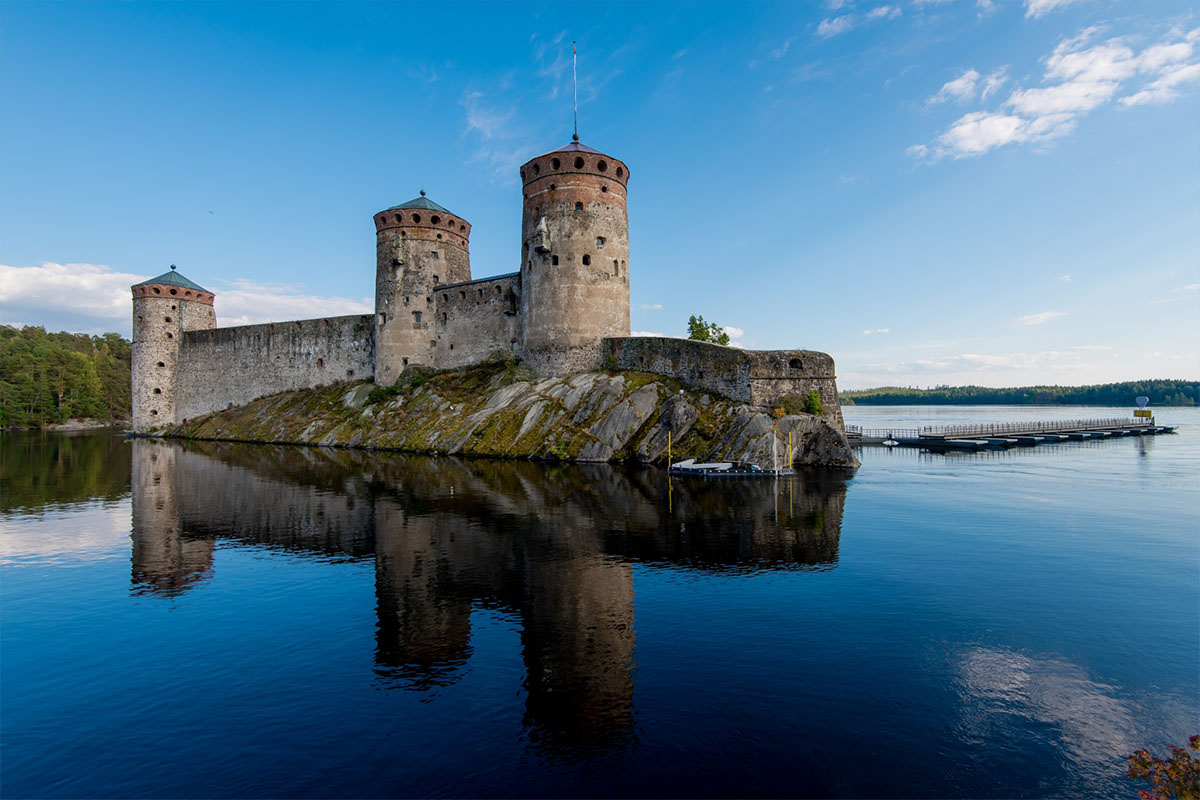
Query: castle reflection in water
<point x="556" y="545"/>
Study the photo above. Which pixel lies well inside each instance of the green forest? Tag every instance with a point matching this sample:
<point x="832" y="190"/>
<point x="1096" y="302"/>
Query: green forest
<point x="46" y="378"/>
<point x="1160" y="392"/>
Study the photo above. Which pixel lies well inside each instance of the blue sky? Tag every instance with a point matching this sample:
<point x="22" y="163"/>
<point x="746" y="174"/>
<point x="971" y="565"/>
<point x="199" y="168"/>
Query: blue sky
<point x="949" y="191"/>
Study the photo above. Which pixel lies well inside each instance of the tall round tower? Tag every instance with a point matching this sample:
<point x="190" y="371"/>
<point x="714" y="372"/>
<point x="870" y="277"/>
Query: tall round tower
<point x="163" y="308"/>
<point x="418" y="245"/>
<point x="574" y="257"/>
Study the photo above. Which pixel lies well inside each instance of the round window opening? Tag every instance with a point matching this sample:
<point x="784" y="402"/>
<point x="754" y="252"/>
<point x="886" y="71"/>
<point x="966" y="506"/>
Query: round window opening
<point x="602" y="166"/>
<point x="796" y="363"/>
<point x="579" y="163"/>
<point x="416" y="217"/>
<point x="435" y="219"/>
<point x="554" y="163"/>
<point x="620" y="172"/>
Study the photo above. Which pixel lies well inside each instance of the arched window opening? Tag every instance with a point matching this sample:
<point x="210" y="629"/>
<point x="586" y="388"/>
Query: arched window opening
<point x="796" y="363"/>
<point x="579" y="206"/>
<point x="587" y="260"/>
<point x="554" y="163"/>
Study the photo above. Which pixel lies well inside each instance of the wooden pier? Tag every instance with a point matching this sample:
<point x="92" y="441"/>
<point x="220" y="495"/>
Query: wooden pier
<point x="1004" y="434"/>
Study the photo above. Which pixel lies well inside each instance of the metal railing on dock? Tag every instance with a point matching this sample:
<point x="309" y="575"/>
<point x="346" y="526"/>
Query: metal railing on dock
<point x="1004" y="432"/>
<point x="1029" y="428"/>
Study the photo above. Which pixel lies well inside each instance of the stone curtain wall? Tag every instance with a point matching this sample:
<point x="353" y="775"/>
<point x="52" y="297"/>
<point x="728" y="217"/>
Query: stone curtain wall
<point x="227" y="367"/>
<point x="477" y="321"/>
<point x="725" y="371"/>
<point x="757" y="377"/>
<point x="775" y="374"/>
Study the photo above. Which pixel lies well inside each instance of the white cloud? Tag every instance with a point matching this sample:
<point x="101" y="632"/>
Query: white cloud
<point x="968" y="84"/>
<point x="1090" y="347"/>
<point x="960" y="89"/>
<point x="1079" y="77"/>
<point x="651" y="306"/>
<point x="248" y="302"/>
<point x="834" y="25"/>
<point x="781" y="51"/>
<point x="1191" y="287"/>
<point x="980" y="131"/>
<point x="734" y="333"/>
<point x="1039" y="318"/>
<point x="883" y="12"/>
<point x="659" y="334"/>
<point x="872" y="331"/>
<point x="1165" y="89"/>
<point x="1066" y="278"/>
<point x="1040" y="8"/>
<point x="993" y="81"/>
<point x="93" y="298"/>
<point x="90" y="298"/>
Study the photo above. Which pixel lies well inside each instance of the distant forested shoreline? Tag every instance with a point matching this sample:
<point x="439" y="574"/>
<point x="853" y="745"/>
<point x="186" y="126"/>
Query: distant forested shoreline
<point x="49" y="378"/>
<point x="1160" y="392"/>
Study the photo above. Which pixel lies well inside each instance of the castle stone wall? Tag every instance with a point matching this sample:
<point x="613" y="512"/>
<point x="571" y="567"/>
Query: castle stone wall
<point x="756" y="377"/>
<point x="775" y="374"/>
<point x="477" y="321"/>
<point x="724" y="371"/>
<point x="226" y="367"/>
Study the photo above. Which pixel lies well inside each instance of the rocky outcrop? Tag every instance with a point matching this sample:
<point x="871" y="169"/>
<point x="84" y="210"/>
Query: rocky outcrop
<point x="502" y="411"/>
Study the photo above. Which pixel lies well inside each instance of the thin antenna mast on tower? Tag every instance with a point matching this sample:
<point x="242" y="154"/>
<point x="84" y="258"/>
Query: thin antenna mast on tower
<point x="575" y="91"/>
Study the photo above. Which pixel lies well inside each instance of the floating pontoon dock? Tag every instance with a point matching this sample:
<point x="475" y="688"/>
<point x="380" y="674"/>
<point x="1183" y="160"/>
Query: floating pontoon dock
<point x="1005" y="434"/>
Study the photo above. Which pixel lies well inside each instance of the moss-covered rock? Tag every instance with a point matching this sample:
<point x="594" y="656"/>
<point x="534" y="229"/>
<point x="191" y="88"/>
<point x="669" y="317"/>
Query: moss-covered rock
<point x="500" y="410"/>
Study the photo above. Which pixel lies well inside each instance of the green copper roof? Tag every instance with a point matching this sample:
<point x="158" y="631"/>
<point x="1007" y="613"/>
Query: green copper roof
<point x="173" y="278"/>
<point x="423" y="202"/>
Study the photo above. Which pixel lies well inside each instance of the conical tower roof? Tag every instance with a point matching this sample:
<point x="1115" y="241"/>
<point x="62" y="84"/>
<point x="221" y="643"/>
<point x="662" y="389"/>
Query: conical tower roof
<point x="423" y="202"/>
<point x="173" y="278"/>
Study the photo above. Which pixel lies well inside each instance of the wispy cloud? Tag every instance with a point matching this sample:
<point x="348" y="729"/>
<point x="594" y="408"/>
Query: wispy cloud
<point x="1039" y="318"/>
<point x="832" y="26"/>
<point x="873" y="331"/>
<point x="651" y="306"/>
<point x="1066" y="278"/>
<point x="651" y="333"/>
<point x="1191" y="287"/>
<point x="1040" y="8"/>
<point x="1080" y="76"/>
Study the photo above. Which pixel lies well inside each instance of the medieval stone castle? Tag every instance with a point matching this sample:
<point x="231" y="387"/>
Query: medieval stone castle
<point x="565" y="310"/>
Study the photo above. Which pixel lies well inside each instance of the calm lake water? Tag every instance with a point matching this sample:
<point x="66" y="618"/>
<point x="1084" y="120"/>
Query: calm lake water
<point x="222" y="620"/>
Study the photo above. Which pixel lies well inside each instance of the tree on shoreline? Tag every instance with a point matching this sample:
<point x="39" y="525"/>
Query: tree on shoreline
<point x="46" y="378"/>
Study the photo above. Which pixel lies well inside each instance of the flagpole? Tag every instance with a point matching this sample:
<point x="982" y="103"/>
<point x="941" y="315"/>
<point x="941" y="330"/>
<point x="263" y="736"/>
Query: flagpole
<point x="575" y="90"/>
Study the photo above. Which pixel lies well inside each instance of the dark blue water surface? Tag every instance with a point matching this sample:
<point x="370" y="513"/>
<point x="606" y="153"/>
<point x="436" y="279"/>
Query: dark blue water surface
<point x="227" y="620"/>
